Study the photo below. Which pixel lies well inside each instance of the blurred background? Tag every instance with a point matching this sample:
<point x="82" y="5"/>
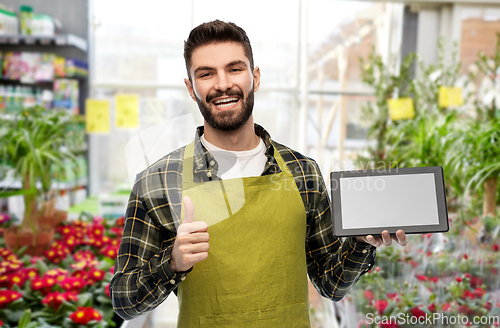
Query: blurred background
<point x="328" y="69"/>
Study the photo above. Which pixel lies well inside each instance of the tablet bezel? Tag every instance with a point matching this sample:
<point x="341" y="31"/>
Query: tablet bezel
<point x="338" y="231"/>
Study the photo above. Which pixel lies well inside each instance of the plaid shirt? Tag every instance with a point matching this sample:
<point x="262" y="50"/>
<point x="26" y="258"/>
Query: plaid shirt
<point x="143" y="277"/>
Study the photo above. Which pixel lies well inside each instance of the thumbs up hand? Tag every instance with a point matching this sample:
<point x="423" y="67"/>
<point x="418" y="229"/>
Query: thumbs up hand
<point x="191" y="244"/>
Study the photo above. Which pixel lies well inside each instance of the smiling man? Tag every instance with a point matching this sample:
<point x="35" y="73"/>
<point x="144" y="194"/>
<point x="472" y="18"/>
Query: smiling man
<point x="233" y="266"/>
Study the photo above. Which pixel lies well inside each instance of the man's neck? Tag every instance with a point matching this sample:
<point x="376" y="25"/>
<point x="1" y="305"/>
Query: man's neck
<point x="238" y="140"/>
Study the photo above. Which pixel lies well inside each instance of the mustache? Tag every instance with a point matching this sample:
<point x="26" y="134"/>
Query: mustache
<point x="229" y="93"/>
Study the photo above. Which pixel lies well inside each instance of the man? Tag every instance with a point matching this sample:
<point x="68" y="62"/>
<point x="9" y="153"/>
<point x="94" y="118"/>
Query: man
<point x="259" y="229"/>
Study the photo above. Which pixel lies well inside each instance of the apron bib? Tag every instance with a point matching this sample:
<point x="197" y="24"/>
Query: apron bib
<point x="255" y="275"/>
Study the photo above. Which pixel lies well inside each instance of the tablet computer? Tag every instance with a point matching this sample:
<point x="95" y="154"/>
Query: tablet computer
<point x="367" y="202"/>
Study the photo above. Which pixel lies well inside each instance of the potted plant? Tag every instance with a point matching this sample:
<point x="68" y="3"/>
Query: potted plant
<point x="34" y="145"/>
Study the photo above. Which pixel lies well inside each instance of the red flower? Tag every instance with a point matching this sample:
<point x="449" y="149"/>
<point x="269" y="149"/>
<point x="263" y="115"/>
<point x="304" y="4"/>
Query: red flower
<point x="479" y="292"/>
<point x="495" y="247"/>
<point x="110" y="251"/>
<point x="390" y="324"/>
<point x="44" y="285"/>
<point x="432" y="307"/>
<point x="466" y="256"/>
<point x="446" y="306"/>
<point x="17" y="278"/>
<point x="30" y="273"/>
<point x="416" y="312"/>
<point x="422" y="278"/>
<point x="475" y="282"/>
<point x="69" y="296"/>
<point x="106" y="290"/>
<point x="380" y="306"/>
<point x="393" y="296"/>
<point x="466" y="275"/>
<point x="465" y="309"/>
<point x="73" y="284"/>
<point x="468" y="294"/>
<point x="84" y="315"/>
<point x="434" y="279"/>
<point x="120" y="221"/>
<point x="488" y="306"/>
<point x="94" y="275"/>
<point x="54" y="300"/>
<point x="369" y="295"/>
<point x="8" y="296"/>
<point x="458" y="279"/>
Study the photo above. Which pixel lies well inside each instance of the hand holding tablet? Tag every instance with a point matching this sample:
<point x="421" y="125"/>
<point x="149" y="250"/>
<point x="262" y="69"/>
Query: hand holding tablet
<point x="367" y="202"/>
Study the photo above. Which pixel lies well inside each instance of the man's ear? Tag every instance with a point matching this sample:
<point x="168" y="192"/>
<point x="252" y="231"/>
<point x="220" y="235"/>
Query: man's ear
<point x="189" y="87"/>
<point x="256" y="78"/>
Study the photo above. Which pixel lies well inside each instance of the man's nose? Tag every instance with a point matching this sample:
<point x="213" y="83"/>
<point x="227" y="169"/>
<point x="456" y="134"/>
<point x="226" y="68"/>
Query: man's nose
<point x="223" y="82"/>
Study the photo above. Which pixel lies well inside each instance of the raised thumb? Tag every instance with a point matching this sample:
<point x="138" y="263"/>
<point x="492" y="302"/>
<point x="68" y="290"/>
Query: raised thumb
<point x="188" y="210"/>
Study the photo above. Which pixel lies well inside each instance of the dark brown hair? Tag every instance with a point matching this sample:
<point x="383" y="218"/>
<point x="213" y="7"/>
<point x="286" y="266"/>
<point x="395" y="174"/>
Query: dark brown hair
<point x="214" y="32"/>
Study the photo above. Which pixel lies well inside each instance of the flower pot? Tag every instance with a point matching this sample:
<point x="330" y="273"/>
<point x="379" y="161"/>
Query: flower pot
<point x="53" y="220"/>
<point x="37" y="242"/>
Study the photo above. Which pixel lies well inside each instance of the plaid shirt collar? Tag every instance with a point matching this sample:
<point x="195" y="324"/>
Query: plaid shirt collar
<point x="206" y="167"/>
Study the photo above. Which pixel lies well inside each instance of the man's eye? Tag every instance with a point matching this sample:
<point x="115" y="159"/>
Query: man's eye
<point x="235" y="70"/>
<point x="204" y="74"/>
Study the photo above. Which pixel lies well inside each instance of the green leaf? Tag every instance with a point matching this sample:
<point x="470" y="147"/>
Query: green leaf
<point x="85" y="299"/>
<point x="25" y="319"/>
<point x="42" y="267"/>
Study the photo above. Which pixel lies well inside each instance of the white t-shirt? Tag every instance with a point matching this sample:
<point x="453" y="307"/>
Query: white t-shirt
<point x="238" y="164"/>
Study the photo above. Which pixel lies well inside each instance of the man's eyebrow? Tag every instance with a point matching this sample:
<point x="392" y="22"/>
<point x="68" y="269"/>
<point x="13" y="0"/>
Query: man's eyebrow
<point x="208" y="68"/>
<point x="203" y="68"/>
<point x="235" y="62"/>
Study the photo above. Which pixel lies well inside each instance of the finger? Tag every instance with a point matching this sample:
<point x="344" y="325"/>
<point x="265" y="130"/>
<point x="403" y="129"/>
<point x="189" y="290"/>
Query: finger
<point x="192" y="227"/>
<point x="197" y="248"/>
<point x="198" y="237"/>
<point x="370" y="240"/>
<point x="401" y="237"/>
<point x="386" y="237"/>
<point x="188" y="210"/>
<point x="196" y="257"/>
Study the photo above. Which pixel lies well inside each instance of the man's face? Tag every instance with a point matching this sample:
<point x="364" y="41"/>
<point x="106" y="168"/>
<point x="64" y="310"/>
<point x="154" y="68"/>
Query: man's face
<point x="223" y="84"/>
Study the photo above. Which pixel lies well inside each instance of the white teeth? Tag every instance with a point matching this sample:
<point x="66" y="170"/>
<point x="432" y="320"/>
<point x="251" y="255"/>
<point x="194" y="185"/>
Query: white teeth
<point x="225" y="100"/>
<point x="224" y="105"/>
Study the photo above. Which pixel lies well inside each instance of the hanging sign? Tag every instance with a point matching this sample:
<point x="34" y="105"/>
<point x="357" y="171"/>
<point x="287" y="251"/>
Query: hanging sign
<point x="97" y="116"/>
<point x="450" y="97"/>
<point x="127" y="111"/>
<point x="401" y="109"/>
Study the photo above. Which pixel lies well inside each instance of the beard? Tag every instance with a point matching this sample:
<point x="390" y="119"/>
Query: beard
<point x="227" y="120"/>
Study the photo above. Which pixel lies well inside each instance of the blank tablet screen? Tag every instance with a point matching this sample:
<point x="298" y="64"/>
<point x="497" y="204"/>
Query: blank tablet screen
<point x="368" y="202"/>
<point x="361" y="197"/>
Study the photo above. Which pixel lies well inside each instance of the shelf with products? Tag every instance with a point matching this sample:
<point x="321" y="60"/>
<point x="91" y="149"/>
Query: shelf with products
<point x="44" y="63"/>
<point x="68" y="40"/>
<point x="39" y="78"/>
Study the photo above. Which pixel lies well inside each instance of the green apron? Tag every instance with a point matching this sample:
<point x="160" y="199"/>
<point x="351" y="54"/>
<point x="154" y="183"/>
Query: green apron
<point x="255" y="275"/>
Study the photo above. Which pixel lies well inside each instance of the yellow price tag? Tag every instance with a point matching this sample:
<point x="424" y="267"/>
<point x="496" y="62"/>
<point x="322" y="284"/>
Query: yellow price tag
<point x="127" y="111"/>
<point x="450" y="97"/>
<point x="401" y="109"/>
<point x="97" y="116"/>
